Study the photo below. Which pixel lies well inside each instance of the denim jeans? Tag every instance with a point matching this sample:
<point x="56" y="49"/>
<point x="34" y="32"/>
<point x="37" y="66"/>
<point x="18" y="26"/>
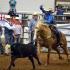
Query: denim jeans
<point x="32" y="35"/>
<point x="17" y="38"/>
<point x="1" y="49"/>
<point x="9" y="39"/>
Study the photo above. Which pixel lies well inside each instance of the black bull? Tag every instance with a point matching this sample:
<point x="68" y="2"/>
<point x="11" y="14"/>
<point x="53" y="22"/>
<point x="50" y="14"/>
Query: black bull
<point x="23" y="50"/>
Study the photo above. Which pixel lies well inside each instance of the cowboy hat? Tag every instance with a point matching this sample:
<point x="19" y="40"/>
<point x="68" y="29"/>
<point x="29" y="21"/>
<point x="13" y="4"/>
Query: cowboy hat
<point x="35" y="13"/>
<point x="50" y="10"/>
<point x="12" y="14"/>
<point x="7" y="16"/>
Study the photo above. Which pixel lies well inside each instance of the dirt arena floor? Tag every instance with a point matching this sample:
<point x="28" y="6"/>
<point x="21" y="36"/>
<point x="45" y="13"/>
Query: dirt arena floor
<point x="25" y="64"/>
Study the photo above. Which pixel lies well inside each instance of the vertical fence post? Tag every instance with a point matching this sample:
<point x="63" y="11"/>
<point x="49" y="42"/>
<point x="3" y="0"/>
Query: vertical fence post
<point x="23" y="26"/>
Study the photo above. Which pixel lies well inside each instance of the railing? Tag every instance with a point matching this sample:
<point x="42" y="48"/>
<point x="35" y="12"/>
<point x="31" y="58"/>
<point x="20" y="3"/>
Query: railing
<point x="62" y="19"/>
<point x="65" y="28"/>
<point x="59" y="19"/>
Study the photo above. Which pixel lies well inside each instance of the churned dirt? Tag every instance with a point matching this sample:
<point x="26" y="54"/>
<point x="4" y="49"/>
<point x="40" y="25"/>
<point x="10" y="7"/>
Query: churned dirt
<point x="25" y="64"/>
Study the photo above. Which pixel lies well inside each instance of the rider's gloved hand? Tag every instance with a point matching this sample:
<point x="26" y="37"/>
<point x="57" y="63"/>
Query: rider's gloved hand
<point x="41" y="7"/>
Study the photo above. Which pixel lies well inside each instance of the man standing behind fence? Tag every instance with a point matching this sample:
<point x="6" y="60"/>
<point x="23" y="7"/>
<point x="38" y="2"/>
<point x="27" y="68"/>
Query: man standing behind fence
<point x="18" y="31"/>
<point x="32" y="25"/>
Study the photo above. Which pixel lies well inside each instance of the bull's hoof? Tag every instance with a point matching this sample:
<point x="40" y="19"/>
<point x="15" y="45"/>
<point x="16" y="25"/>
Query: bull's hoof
<point x="60" y="58"/>
<point x="40" y="63"/>
<point x="6" y="54"/>
<point x="46" y="64"/>
<point x="13" y="65"/>
<point x="8" y="68"/>
<point x="33" y="69"/>
<point x="68" y="60"/>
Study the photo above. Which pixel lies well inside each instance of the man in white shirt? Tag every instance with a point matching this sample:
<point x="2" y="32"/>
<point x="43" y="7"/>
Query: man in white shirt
<point x="18" y="32"/>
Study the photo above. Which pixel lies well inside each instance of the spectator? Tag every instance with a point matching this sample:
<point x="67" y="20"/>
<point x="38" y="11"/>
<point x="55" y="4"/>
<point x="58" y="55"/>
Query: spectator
<point x="9" y="36"/>
<point x="18" y="32"/>
<point x="9" y="32"/>
<point x="32" y="25"/>
<point x="59" y="11"/>
<point x="17" y="27"/>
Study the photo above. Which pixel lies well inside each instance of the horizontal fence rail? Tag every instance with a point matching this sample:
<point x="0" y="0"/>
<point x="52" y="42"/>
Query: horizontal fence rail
<point x="59" y="19"/>
<point x="66" y="30"/>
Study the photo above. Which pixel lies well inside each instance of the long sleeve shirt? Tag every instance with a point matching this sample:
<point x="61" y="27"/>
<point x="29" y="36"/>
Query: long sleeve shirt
<point x="32" y="25"/>
<point x="48" y="17"/>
